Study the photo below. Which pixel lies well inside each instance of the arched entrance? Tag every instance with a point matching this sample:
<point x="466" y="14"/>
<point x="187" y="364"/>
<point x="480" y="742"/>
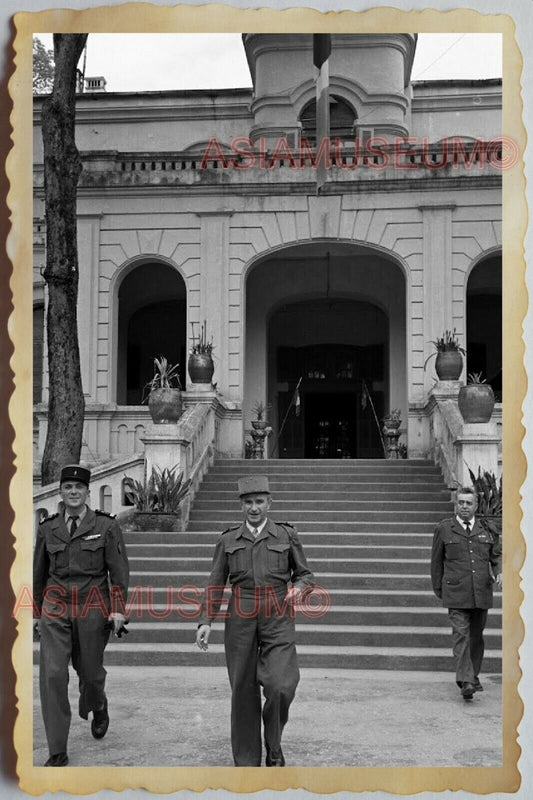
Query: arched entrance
<point x="339" y="356"/>
<point x="152" y="321"/>
<point x="334" y="315"/>
<point x="484" y="322"/>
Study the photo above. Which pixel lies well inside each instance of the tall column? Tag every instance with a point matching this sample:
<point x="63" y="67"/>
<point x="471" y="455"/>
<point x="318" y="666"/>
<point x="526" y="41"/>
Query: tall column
<point x="437" y="271"/>
<point x="214" y="303"/>
<point x="88" y="249"/>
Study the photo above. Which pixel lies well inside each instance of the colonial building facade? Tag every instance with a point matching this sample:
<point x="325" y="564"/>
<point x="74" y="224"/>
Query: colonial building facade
<point x="203" y="205"/>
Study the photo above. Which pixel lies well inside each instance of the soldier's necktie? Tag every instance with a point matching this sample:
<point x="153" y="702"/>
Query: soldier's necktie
<point x="73" y="525"/>
<point x="467" y="527"/>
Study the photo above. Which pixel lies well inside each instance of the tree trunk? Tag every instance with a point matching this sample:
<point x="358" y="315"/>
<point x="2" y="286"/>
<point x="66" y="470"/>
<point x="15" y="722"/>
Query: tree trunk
<point x="62" y="168"/>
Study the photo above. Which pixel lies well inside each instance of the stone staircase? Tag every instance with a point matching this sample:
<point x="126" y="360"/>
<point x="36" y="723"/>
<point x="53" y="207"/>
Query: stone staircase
<point x="366" y="527"/>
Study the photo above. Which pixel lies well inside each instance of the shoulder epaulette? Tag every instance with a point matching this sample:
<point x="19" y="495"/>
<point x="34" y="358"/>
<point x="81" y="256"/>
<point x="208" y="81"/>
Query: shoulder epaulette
<point x="48" y="518"/>
<point x="104" y="514"/>
<point x="286" y="525"/>
<point x="233" y="528"/>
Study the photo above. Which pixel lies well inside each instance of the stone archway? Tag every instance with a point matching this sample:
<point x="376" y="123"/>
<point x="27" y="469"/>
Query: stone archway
<point x="340" y="304"/>
<point x="484" y="321"/>
<point x="152" y="321"/>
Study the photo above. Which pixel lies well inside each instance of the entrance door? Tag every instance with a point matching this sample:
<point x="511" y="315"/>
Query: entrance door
<point x="331" y="425"/>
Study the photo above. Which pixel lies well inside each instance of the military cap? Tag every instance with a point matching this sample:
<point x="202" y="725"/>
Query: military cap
<point x="73" y="472"/>
<point x="253" y="484"/>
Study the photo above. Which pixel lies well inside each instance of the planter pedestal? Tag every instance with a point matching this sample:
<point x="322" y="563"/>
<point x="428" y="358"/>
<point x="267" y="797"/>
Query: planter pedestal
<point x="162" y="446"/>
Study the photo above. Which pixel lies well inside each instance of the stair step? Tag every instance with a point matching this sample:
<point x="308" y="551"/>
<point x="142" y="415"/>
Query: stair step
<point x="331" y="527"/>
<point x="431" y="486"/>
<point x="344" y="515"/>
<point x="393" y="617"/>
<point x="325" y="538"/>
<point x="359" y="494"/>
<point x="433" y="659"/>
<point x="426" y="508"/>
<point x="335" y="565"/>
<point x="314" y="634"/>
<point x="254" y="466"/>
<point x="313" y="551"/>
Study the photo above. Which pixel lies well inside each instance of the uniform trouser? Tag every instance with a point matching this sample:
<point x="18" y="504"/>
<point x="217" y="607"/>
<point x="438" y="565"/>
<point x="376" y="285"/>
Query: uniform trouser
<point x="468" y="646"/>
<point x="260" y="651"/>
<point x="66" y="636"/>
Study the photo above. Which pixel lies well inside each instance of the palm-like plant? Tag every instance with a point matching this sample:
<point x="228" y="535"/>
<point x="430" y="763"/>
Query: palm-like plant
<point x="163" y="492"/>
<point x="489" y="492"/>
<point x="166" y="376"/>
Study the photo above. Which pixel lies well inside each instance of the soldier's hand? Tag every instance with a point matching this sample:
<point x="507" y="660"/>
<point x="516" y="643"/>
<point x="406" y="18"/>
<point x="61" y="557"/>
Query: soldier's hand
<point x="37" y="628"/>
<point x="117" y="621"/>
<point x="294" y="593"/>
<point x="499" y="580"/>
<point x="202" y="636"/>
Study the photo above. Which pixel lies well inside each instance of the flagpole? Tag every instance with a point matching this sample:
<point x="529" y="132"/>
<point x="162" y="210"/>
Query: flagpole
<point x="365" y="389"/>
<point x="321" y="53"/>
<point x="294" y="395"/>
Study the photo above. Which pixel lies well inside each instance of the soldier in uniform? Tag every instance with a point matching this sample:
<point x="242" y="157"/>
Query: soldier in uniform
<point x="466" y="561"/>
<point x="80" y="581"/>
<point x="268" y="572"/>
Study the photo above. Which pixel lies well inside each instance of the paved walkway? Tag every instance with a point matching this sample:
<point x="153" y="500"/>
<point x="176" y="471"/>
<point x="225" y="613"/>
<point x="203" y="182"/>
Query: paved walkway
<point x="161" y="716"/>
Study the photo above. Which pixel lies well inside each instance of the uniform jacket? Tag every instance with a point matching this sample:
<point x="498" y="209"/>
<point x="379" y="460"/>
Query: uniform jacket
<point x="275" y="559"/>
<point x="94" y="557"/>
<point x="463" y="567"/>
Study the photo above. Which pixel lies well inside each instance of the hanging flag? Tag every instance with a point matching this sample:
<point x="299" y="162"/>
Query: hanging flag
<point x="321" y="53"/>
<point x="364" y="396"/>
<point x="297" y="402"/>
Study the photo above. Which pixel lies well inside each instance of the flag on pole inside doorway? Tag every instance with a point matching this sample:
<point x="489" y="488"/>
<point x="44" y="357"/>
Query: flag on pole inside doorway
<point x="297" y="401"/>
<point x="321" y="53"/>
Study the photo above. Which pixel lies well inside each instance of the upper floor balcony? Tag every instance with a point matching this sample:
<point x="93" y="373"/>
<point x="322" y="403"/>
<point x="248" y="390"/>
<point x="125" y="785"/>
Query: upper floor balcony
<point x="286" y="166"/>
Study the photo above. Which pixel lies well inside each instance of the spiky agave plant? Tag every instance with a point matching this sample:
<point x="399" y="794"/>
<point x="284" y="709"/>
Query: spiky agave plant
<point x="489" y="492"/>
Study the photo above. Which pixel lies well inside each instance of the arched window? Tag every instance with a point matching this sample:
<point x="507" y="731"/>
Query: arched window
<point x="106" y="499"/>
<point x="341" y="119"/>
<point x="152" y="323"/>
<point x="484" y="322"/>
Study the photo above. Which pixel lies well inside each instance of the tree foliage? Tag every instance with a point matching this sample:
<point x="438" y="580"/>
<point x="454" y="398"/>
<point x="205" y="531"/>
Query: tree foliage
<point x="43" y="68"/>
<point x="62" y="168"/>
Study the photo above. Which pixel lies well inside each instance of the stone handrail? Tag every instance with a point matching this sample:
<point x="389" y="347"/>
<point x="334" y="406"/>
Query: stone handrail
<point x="445" y="425"/>
<point x="190" y="443"/>
<point x="458" y="446"/>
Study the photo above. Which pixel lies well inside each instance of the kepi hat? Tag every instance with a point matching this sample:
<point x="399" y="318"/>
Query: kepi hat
<point x="73" y="472"/>
<point x="253" y="484"/>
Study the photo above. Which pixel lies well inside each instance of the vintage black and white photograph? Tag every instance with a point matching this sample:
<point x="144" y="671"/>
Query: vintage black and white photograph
<point x="267" y="399"/>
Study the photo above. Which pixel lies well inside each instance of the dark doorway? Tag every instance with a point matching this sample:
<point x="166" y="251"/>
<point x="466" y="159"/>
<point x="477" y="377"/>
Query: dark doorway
<point x="341" y="401"/>
<point x="330" y="425"/>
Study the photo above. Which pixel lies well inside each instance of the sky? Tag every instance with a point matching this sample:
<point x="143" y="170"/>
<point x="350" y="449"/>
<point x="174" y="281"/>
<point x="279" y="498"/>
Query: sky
<point x="158" y="61"/>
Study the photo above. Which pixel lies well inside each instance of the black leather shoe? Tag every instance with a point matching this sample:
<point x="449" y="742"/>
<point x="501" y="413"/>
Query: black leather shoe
<point x="100" y="722"/>
<point x="467" y="690"/>
<point x="275" y="760"/>
<point x="477" y="685"/>
<point x="57" y="760"/>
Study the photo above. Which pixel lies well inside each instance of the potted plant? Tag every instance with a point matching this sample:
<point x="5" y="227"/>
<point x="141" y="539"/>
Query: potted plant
<point x="476" y="399"/>
<point x="490" y="497"/>
<point x="200" y="364"/>
<point x="449" y="361"/>
<point x="164" y="392"/>
<point x="260" y="411"/>
<point x="157" y="501"/>
<point x="393" y="419"/>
